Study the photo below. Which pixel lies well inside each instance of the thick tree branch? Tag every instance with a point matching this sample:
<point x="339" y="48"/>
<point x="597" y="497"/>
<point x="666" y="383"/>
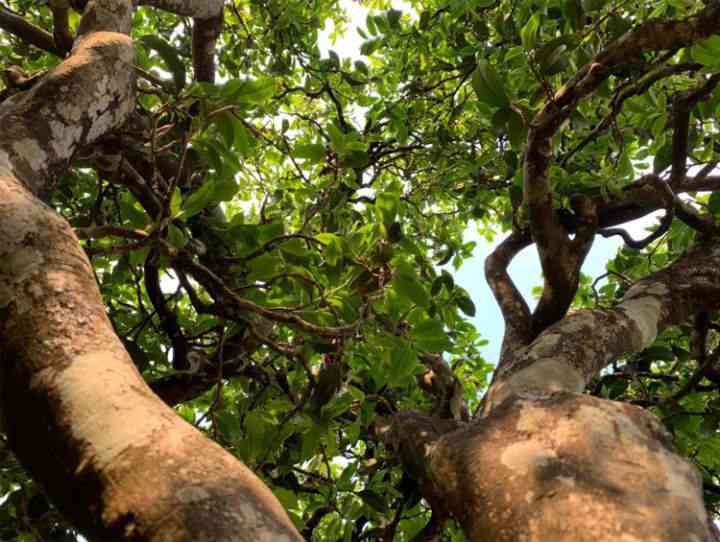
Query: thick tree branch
<point x="561" y="358"/>
<point x="200" y="9"/>
<point x="29" y="33"/>
<point x="560" y="258"/>
<point x="562" y="271"/>
<point x="515" y="311"/>
<point x="75" y="409"/>
<point x="204" y="38"/>
<point x="61" y="25"/>
<point x="682" y="106"/>
<point x="103" y="97"/>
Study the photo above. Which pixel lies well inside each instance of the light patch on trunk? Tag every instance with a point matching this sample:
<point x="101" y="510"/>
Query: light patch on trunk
<point x="192" y="494"/>
<point x="64" y="138"/>
<point x="262" y="530"/>
<point x="544" y="345"/>
<point x="6" y="168"/>
<point x="542" y="377"/>
<point x="102" y="396"/>
<point x="523" y="457"/>
<point x="31" y="151"/>
<point x="644" y="311"/>
<point x="16" y="267"/>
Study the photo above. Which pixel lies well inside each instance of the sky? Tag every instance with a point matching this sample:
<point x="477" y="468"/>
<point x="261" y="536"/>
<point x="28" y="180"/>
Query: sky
<point x="525" y="268"/>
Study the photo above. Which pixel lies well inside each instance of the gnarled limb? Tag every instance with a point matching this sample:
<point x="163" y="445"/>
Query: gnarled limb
<point x="561" y="359"/>
<point x="200" y="9"/>
<point x="515" y="311"/>
<point x="562" y="267"/>
<point x="561" y="257"/>
<point x="29" y="33"/>
<point x="76" y="411"/>
<point x="682" y="105"/>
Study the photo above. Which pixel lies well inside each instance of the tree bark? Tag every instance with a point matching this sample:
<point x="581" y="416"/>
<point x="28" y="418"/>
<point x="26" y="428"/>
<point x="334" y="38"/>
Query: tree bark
<point x="114" y="458"/>
<point x="544" y="461"/>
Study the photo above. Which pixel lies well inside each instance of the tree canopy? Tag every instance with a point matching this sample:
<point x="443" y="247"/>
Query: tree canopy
<point x="275" y="232"/>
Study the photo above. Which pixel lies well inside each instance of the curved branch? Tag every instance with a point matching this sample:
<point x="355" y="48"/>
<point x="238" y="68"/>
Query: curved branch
<point x="560" y="258"/>
<point x="562" y="272"/>
<point x="561" y="359"/>
<point x="201" y="9"/>
<point x="204" y="38"/>
<point x="233" y="302"/>
<point x="168" y="319"/>
<point x="29" y="33"/>
<point x="683" y="103"/>
<point x="62" y="36"/>
<point x="513" y="306"/>
<point x="659" y="232"/>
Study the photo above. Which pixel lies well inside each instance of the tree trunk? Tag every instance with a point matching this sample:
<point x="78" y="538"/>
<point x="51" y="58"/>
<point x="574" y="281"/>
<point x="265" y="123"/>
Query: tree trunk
<point x="544" y="461"/>
<point x="114" y="458"/>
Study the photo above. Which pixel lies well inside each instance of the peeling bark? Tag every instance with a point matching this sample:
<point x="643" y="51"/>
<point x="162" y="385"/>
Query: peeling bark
<point x="116" y="460"/>
<point x="568" y="467"/>
<point x="563" y="359"/>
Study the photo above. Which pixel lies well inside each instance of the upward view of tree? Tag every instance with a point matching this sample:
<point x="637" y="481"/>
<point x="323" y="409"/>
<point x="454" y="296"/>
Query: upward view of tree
<point x="225" y="305"/>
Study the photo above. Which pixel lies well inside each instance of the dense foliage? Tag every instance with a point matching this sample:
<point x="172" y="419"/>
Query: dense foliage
<point x="276" y="248"/>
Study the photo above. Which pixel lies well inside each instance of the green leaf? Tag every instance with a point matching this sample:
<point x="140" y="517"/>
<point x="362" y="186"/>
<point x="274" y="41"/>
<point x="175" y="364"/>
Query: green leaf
<point x="338" y="406"/>
<point x="373" y="499"/>
<point x="593" y="5"/>
<point x="313" y="152"/>
<point x="333" y="247"/>
<point x="714" y="203"/>
<point x="169" y="55"/>
<point x="411" y="288"/>
<point x="663" y="158"/>
<point x="224" y="189"/>
<point x="176" y="237"/>
<point x="386" y="204"/>
<point x="224" y="123"/>
<point x="393" y="16"/>
<point x="488" y="86"/>
<point x="176" y="202"/>
<point x="198" y="200"/>
<point x="132" y="212"/>
<point x="529" y="32"/>
<point x="248" y="91"/>
<point x="295" y="247"/>
<point x="403" y="362"/>
<point x="707" y="52"/>
<point x="337" y="138"/>
<point x="243" y="139"/>
<point x="369" y="47"/>
<point x="466" y="305"/>
<point x="430" y="335"/>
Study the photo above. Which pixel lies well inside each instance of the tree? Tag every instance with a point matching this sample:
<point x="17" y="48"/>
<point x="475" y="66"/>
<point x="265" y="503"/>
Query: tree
<point x="261" y="274"/>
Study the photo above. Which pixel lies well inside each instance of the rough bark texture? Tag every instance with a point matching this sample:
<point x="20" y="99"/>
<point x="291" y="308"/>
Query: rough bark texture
<point x="563" y="357"/>
<point x="543" y="462"/>
<point x="568" y="467"/>
<point x="116" y="460"/>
